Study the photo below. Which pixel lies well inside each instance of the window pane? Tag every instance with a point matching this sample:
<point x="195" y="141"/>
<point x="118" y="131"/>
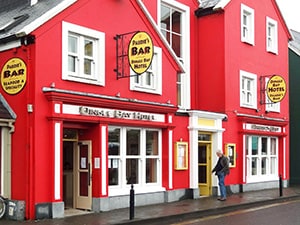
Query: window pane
<point x="151" y="142"/>
<point x="133" y="142"/>
<point x="113" y="171"/>
<point x="113" y="141"/>
<point x="254" y="145"/>
<point x="264" y="146"/>
<point x="132" y="171"/>
<point x="151" y="170"/>
<point x="72" y="63"/>
<point x="88" y="48"/>
<point x="88" y="66"/>
<point x="273" y="165"/>
<point x="72" y="44"/>
<point x="273" y="146"/>
<point x="254" y="166"/>
<point x="264" y="166"/>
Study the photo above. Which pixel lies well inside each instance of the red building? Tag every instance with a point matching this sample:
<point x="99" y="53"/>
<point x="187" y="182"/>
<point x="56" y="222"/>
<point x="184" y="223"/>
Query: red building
<point x="142" y="93"/>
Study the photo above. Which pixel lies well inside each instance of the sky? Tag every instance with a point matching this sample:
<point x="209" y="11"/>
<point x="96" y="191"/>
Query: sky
<point x="290" y="10"/>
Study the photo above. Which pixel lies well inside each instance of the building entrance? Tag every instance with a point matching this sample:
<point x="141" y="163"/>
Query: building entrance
<point x="77" y="165"/>
<point x="204" y="167"/>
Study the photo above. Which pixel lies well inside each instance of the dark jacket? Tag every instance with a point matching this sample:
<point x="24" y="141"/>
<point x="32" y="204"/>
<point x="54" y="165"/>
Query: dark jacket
<point x="222" y="165"/>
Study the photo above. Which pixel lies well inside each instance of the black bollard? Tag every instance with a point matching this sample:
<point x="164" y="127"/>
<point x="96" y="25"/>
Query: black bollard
<point x="280" y="185"/>
<point x="131" y="203"/>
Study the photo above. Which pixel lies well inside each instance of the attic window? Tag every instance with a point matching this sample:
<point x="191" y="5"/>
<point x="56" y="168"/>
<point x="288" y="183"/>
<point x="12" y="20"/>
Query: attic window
<point x="14" y="22"/>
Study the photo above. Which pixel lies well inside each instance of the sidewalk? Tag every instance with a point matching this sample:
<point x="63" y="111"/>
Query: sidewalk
<point x="173" y="211"/>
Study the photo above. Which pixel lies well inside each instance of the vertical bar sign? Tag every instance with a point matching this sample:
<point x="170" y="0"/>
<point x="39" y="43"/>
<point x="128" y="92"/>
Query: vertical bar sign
<point x="140" y="52"/>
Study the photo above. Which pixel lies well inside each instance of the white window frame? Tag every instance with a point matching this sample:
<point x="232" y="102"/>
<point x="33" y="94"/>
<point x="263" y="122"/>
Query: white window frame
<point x="82" y="33"/>
<point x="247" y="30"/>
<point x="270" y="159"/>
<point x="271" y="106"/>
<point x="185" y="94"/>
<point x="253" y="90"/>
<point x="271" y="35"/>
<point x="142" y="186"/>
<point x="138" y="82"/>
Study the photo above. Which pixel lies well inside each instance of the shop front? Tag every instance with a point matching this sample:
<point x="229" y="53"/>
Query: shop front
<point x="100" y="152"/>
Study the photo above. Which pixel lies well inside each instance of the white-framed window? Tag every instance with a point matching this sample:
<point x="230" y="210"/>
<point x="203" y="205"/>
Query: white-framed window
<point x="247" y="24"/>
<point x="134" y="157"/>
<point x="83" y="54"/>
<point x="261" y="158"/>
<point x="174" y="23"/>
<point x="271" y="35"/>
<point x="248" y="90"/>
<point x="151" y="80"/>
<point x="271" y="106"/>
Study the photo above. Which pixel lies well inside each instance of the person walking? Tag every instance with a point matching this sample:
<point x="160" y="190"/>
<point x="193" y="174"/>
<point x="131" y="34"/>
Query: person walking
<point x="221" y="170"/>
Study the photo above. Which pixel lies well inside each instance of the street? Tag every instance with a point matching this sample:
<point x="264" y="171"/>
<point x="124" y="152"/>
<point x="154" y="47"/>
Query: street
<point x="286" y="213"/>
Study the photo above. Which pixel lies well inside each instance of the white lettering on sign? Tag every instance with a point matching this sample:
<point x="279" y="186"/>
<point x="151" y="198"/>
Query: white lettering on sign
<point x="112" y="113"/>
<point x="264" y="128"/>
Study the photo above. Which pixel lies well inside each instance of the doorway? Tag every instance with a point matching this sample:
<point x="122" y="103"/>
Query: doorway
<point x="204" y="168"/>
<point x="77" y="165"/>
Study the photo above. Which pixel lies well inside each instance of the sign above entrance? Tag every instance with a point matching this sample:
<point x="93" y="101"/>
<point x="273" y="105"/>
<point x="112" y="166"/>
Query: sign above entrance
<point x="13" y="76"/>
<point x="140" y="52"/>
<point x="276" y="88"/>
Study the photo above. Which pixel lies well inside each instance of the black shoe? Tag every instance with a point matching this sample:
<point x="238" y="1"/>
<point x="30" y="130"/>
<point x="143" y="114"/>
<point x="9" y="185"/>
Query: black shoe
<point x="222" y="199"/>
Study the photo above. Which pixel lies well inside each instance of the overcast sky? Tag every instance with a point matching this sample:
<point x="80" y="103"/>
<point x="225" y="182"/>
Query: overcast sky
<point x="290" y="10"/>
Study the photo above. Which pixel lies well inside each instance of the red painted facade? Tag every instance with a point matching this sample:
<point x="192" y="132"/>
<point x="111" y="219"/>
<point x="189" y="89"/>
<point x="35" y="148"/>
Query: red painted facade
<point x="216" y="57"/>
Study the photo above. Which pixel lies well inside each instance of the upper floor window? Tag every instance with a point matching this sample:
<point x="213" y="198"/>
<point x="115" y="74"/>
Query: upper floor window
<point x="248" y="90"/>
<point x="83" y="54"/>
<point x="247" y="24"/>
<point x="151" y="80"/>
<point x="272" y="36"/>
<point x="174" y="22"/>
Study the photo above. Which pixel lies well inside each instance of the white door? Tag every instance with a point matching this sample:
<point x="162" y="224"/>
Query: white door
<point x="83" y="175"/>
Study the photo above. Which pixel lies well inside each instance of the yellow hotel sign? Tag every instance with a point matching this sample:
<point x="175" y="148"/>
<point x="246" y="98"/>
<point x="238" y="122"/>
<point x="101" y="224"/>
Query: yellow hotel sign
<point x="13" y="76"/>
<point x="140" y="52"/>
<point x="276" y="88"/>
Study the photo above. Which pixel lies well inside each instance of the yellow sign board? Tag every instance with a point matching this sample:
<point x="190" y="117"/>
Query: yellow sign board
<point x="13" y="76"/>
<point x="140" y="52"/>
<point x="276" y="88"/>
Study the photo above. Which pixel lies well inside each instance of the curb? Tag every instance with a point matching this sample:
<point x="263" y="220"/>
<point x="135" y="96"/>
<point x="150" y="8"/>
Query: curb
<point x="207" y="212"/>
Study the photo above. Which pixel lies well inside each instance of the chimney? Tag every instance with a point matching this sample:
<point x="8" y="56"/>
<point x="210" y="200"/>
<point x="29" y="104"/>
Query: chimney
<point x="33" y="2"/>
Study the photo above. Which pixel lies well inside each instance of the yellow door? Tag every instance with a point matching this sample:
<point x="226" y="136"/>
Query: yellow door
<point x="204" y="168"/>
<point x="83" y="181"/>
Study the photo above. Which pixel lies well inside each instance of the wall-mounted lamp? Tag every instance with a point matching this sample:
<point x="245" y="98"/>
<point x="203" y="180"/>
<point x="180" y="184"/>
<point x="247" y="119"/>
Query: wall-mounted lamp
<point x="118" y="95"/>
<point x="52" y="85"/>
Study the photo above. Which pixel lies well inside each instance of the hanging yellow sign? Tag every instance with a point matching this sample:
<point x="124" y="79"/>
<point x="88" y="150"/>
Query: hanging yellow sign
<point x="276" y="88"/>
<point x="13" y="76"/>
<point x="140" y="52"/>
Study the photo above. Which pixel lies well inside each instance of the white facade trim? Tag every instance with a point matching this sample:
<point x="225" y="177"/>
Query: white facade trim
<point x="171" y="159"/>
<point x="45" y="18"/>
<point x="57" y="161"/>
<point x="103" y="160"/>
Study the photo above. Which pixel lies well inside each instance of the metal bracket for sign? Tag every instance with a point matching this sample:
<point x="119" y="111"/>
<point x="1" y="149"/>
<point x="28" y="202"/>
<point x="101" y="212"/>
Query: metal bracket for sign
<point x="122" y="64"/>
<point x="263" y="90"/>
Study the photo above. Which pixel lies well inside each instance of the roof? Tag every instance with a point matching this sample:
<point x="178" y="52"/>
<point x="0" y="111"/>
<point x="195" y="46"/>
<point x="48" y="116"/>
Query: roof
<point x="20" y="18"/>
<point x="294" y="45"/>
<point x="5" y="111"/>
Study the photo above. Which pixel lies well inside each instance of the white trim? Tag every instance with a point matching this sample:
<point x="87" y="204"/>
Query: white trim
<point x="272" y="23"/>
<point x="185" y="49"/>
<point x="253" y="77"/>
<point x="103" y="160"/>
<point x="250" y="14"/>
<point x="222" y="4"/>
<point x="284" y="158"/>
<point x="171" y="159"/>
<point x="57" y="161"/>
<point x="45" y="17"/>
<point x="10" y="45"/>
